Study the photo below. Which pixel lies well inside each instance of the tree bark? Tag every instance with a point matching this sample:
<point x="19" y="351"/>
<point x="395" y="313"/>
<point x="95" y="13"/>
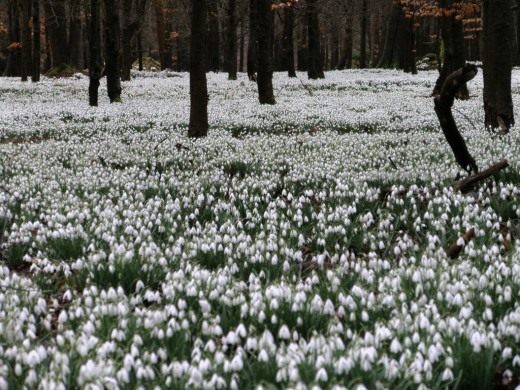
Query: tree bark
<point x="36" y="47"/>
<point x="498" y="63"/>
<point x="198" y="85"/>
<point x="315" y="70"/>
<point x="252" y="50"/>
<point x="231" y="52"/>
<point x="390" y="55"/>
<point x="12" y="68"/>
<point x="288" y="41"/>
<point x="163" y="38"/>
<point x="265" y="32"/>
<point x="56" y="28"/>
<point x="363" y="39"/>
<point x="133" y="16"/>
<point x="452" y="33"/>
<point x="213" y="37"/>
<point x="443" y="104"/>
<point x="25" y="6"/>
<point x="346" y="59"/>
<point x="75" y="35"/>
<point x="113" y="50"/>
<point x="95" y="66"/>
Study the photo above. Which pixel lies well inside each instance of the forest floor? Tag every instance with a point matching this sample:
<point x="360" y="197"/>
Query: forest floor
<point x="298" y="244"/>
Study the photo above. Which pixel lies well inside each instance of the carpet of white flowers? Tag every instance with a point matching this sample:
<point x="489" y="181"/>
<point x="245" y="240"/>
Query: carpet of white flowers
<point x="298" y="245"/>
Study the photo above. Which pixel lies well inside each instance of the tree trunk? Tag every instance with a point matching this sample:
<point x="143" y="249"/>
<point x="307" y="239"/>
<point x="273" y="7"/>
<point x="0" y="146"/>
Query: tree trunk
<point x="56" y="28"/>
<point x="95" y="67"/>
<point x="390" y="54"/>
<point x="452" y="33"/>
<point x="36" y="47"/>
<point x="242" y="46"/>
<point x="443" y="104"/>
<point x="198" y="84"/>
<point x="12" y="68"/>
<point x="288" y="41"/>
<point x="346" y="59"/>
<point x="231" y="52"/>
<point x="252" y="49"/>
<point x="163" y="38"/>
<point x="140" y="50"/>
<point x="113" y="50"/>
<point x="25" y="6"/>
<point x="213" y="37"/>
<point x="498" y="63"/>
<point x="265" y="32"/>
<point x="315" y="70"/>
<point x="75" y="35"/>
<point x="363" y="39"/>
<point x="133" y="16"/>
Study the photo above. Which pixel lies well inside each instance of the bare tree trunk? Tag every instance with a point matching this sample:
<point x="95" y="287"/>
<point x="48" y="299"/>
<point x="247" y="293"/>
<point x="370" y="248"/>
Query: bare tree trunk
<point x="315" y="70"/>
<point x="452" y="33"/>
<point x="75" y="35"/>
<point x="390" y="54"/>
<point x="443" y="104"/>
<point x="231" y="52"/>
<point x="36" y="58"/>
<point x="242" y="47"/>
<point x="213" y="37"/>
<point x="163" y="38"/>
<point x="198" y="84"/>
<point x="25" y="6"/>
<point x="363" y="39"/>
<point x="133" y="16"/>
<point x="56" y="28"/>
<point x="13" y="65"/>
<point x="140" y="50"/>
<point x="288" y="41"/>
<point x="252" y="50"/>
<point x="346" y="59"/>
<point x="498" y="63"/>
<point x="95" y="66"/>
<point x="113" y="50"/>
<point x="265" y="31"/>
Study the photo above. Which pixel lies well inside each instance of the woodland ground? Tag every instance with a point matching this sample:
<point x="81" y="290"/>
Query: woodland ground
<point x="298" y="244"/>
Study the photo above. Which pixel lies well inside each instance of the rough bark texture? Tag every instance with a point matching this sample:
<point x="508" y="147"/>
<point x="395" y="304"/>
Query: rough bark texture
<point x="25" y="6"/>
<point x="252" y="51"/>
<point x="56" y="27"/>
<point x="468" y="184"/>
<point x="198" y="84"/>
<point x="443" y="104"/>
<point x="265" y="31"/>
<point x="113" y="50"/>
<point x="498" y="59"/>
<point x="452" y="33"/>
<point x="36" y="47"/>
<point x="231" y="52"/>
<point x="363" y="32"/>
<point x="95" y="66"/>
<point x="315" y="70"/>
<point x="288" y="41"/>
<point x="213" y="37"/>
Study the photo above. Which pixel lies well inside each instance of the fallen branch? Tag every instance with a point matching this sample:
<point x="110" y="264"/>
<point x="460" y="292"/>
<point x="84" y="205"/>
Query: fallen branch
<point x="467" y="184"/>
<point x="454" y="250"/>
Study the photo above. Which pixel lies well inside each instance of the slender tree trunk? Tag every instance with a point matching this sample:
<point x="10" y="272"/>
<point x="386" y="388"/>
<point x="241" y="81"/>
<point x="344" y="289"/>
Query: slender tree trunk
<point x="213" y="37"/>
<point x="163" y="38"/>
<point x="390" y="54"/>
<point x="133" y="16"/>
<point x="113" y="50"/>
<point x="56" y="28"/>
<point x="36" y="47"/>
<point x="252" y="50"/>
<point x="346" y="59"/>
<point x="363" y="39"/>
<point x="12" y="67"/>
<point x="140" y="50"/>
<point x="25" y="6"/>
<point x="315" y="70"/>
<point x="231" y="53"/>
<point x="452" y="33"/>
<point x="242" y="47"/>
<point x="288" y="41"/>
<point x="75" y="35"/>
<point x="265" y="31"/>
<point x="95" y="67"/>
<point x="498" y="63"/>
<point x="198" y="84"/>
